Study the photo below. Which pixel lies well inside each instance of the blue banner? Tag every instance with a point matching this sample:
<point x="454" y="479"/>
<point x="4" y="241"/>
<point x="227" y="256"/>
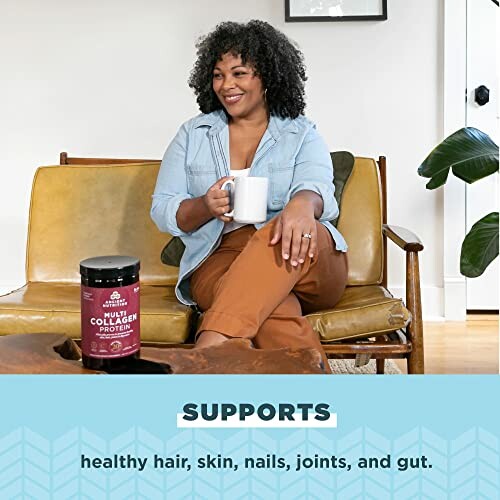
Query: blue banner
<point x="228" y="437"/>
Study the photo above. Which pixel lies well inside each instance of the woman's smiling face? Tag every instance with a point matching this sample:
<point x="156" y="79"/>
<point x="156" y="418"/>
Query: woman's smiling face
<point x="238" y="88"/>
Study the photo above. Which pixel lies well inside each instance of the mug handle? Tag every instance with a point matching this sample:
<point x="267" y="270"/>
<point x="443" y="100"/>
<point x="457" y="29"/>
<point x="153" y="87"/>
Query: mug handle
<point x="230" y="181"/>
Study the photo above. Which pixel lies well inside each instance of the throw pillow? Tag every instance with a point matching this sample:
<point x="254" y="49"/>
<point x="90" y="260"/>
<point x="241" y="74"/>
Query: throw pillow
<point x="343" y="163"/>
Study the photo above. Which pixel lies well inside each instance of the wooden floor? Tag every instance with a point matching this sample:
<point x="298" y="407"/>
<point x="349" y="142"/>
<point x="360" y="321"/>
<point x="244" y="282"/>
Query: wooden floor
<point x="461" y="347"/>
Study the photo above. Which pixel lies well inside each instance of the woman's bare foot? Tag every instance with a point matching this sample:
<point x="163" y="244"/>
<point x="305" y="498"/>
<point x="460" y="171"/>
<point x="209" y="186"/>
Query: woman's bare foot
<point x="209" y="338"/>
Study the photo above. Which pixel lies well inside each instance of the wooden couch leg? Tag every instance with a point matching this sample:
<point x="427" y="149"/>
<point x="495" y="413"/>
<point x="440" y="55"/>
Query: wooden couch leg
<point x="414" y="305"/>
<point x="380" y="366"/>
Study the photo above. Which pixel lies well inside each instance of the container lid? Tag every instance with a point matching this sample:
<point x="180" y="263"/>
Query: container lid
<point x="109" y="266"/>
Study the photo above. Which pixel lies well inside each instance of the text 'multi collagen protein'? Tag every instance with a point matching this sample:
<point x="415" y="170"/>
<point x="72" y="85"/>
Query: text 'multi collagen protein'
<point x="110" y="311"/>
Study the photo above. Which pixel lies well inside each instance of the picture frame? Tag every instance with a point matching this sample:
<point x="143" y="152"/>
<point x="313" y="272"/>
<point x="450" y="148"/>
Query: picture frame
<point x="298" y="11"/>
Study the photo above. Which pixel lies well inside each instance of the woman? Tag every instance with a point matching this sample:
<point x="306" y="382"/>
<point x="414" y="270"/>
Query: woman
<point x="251" y="281"/>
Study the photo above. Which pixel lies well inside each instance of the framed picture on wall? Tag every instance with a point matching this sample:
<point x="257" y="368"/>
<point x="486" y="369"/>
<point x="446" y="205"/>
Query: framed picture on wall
<point x="335" y="10"/>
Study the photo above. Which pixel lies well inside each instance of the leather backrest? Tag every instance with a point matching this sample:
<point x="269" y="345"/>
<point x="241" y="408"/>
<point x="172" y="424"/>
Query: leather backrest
<point x="84" y="211"/>
<point x="360" y="223"/>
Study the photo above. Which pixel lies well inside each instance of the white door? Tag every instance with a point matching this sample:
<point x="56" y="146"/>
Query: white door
<point x="482" y="196"/>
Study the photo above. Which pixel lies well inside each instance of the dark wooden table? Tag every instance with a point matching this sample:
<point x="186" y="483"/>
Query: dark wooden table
<point x="56" y="353"/>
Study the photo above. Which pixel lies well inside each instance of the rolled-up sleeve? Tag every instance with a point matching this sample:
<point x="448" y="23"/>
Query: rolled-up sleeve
<point x="313" y="171"/>
<point x="171" y="186"/>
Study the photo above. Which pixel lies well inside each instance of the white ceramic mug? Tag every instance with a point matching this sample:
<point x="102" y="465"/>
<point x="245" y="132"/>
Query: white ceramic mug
<point x="250" y="199"/>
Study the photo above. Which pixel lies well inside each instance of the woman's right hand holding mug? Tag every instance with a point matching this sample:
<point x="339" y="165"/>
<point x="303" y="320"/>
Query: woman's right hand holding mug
<point x="217" y="200"/>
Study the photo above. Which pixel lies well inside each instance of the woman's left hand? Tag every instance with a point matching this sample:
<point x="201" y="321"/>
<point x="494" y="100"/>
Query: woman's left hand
<point x="291" y="227"/>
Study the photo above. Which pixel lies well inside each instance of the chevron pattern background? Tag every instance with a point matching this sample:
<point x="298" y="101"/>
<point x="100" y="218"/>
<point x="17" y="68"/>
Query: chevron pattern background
<point x="34" y="467"/>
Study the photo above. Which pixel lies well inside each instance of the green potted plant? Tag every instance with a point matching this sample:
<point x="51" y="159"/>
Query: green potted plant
<point x="470" y="155"/>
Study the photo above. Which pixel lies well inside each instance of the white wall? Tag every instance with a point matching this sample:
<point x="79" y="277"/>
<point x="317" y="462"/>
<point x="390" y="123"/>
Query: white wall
<point x="108" y="78"/>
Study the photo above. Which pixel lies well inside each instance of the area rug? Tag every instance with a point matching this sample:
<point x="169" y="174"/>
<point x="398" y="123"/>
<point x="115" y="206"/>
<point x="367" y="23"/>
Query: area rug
<point x="346" y="367"/>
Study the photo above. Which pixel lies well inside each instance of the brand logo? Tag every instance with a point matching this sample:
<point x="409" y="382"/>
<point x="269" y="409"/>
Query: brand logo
<point x="115" y="300"/>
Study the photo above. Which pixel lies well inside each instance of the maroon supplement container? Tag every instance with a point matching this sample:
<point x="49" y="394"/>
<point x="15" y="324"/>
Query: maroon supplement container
<point x="110" y="311"/>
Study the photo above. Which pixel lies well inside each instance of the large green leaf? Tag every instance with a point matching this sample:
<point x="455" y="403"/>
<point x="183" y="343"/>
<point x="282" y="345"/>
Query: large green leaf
<point x="480" y="246"/>
<point x="469" y="153"/>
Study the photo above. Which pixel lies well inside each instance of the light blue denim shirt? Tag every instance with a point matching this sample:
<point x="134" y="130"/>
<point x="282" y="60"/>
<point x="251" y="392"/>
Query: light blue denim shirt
<point x="291" y="154"/>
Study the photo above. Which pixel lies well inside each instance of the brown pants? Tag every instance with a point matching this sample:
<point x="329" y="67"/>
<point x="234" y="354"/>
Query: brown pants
<point x="247" y="290"/>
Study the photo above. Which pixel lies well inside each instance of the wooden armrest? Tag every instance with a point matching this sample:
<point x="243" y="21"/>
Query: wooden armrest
<point x="404" y="238"/>
<point x="410" y="243"/>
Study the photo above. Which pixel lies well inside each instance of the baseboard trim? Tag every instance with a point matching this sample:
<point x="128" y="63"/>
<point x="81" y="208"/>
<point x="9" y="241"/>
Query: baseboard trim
<point x="455" y="298"/>
<point x="432" y="301"/>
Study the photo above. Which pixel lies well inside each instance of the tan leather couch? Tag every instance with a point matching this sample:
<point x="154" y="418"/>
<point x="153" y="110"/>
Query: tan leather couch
<point x="82" y="211"/>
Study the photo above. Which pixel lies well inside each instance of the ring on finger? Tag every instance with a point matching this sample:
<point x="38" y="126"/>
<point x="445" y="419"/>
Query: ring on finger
<point x="307" y="235"/>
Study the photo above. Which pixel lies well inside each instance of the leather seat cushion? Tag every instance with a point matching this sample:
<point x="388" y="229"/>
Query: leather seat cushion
<point x="55" y="308"/>
<point x="363" y="311"/>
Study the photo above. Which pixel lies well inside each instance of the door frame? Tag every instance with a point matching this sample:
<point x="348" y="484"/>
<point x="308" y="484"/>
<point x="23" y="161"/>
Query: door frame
<point x="454" y="118"/>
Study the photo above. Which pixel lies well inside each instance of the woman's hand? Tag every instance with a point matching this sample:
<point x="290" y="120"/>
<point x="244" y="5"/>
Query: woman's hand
<point x="217" y="200"/>
<point x="296" y="220"/>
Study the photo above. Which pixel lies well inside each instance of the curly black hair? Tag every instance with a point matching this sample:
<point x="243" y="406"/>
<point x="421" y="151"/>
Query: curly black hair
<point x="276" y="59"/>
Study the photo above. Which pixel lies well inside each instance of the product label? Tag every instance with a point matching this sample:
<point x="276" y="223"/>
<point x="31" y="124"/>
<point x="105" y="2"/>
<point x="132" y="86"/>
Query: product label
<point x="110" y="321"/>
